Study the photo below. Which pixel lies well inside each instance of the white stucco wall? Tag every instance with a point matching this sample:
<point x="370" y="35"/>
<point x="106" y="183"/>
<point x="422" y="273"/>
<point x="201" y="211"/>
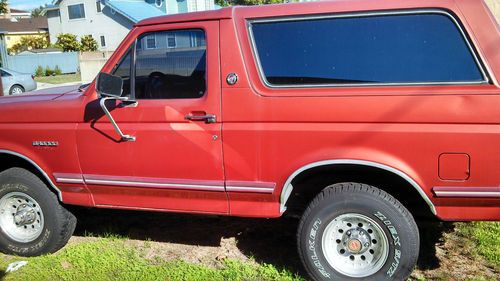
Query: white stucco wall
<point x="113" y="27"/>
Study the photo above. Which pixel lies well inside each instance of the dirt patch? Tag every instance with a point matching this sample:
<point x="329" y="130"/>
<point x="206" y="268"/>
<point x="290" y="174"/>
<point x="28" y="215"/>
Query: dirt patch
<point x="208" y="240"/>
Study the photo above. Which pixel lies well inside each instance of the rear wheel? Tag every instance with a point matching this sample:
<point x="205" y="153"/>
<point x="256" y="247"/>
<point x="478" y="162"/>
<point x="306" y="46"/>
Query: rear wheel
<point x="352" y="231"/>
<point x="32" y="222"/>
<point x="16" y="90"/>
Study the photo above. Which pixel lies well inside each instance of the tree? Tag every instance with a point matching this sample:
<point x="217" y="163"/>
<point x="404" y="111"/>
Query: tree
<point x="3" y="6"/>
<point x="67" y="42"/>
<point x="29" y="43"/>
<point x="88" y="44"/>
<point x="37" y="12"/>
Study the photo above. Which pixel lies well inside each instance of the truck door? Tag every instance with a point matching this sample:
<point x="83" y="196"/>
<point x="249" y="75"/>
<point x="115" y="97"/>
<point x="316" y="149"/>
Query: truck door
<point x="175" y="161"/>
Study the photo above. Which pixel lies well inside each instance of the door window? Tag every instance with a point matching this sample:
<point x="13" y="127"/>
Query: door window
<point x="172" y="68"/>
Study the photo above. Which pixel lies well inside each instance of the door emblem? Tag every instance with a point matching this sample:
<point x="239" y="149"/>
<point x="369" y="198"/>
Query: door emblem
<point x="232" y="78"/>
<point x="45" y="143"/>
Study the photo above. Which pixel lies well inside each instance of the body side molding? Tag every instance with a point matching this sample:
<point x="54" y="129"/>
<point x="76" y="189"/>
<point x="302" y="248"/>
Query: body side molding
<point x="288" y="187"/>
<point x="59" y="193"/>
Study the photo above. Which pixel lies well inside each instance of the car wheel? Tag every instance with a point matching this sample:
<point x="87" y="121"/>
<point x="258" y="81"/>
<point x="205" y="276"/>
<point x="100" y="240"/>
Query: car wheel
<point x="16" y="90"/>
<point x="32" y="222"/>
<point x="353" y="231"/>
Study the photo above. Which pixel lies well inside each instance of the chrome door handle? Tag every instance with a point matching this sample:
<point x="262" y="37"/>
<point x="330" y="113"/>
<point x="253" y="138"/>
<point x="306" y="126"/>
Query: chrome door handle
<point x="201" y="116"/>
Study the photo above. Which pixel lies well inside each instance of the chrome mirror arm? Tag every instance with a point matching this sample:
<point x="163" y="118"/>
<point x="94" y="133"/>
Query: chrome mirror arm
<point x="102" y="102"/>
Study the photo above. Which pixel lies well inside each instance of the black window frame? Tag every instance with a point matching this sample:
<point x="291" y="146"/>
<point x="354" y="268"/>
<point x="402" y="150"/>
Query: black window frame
<point x="83" y="11"/>
<point x="102" y="40"/>
<point x="477" y="59"/>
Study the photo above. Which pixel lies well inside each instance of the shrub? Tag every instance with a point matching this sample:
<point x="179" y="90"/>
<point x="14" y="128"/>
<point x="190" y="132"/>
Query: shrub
<point x="88" y="44"/>
<point x="29" y="43"/>
<point x="39" y="71"/>
<point x="67" y="42"/>
<point x="49" y="71"/>
<point x="57" y="70"/>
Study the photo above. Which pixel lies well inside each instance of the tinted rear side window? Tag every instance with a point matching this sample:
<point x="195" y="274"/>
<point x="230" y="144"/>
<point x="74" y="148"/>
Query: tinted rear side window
<point x="400" y="48"/>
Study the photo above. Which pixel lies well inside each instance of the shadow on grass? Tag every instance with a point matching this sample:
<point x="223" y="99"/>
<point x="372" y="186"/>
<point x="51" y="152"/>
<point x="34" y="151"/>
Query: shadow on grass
<point x="269" y="241"/>
<point x="2" y="274"/>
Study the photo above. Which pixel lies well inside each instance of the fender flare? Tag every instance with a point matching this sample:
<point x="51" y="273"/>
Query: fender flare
<point x="288" y="187"/>
<point x="59" y="193"/>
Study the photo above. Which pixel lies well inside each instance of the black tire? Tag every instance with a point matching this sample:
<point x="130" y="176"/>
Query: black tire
<point x="14" y="87"/>
<point x="391" y="216"/>
<point x="59" y="223"/>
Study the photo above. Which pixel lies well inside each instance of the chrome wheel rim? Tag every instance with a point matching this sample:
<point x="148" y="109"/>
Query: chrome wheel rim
<point x="21" y="217"/>
<point x="17" y="91"/>
<point x="355" y="245"/>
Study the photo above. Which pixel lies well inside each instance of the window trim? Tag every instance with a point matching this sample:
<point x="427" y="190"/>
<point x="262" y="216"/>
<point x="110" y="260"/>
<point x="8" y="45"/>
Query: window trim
<point x="101" y="37"/>
<point x="465" y="37"/>
<point x="97" y="6"/>
<point x="154" y="36"/>
<point x="169" y="36"/>
<point x="84" y="11"/>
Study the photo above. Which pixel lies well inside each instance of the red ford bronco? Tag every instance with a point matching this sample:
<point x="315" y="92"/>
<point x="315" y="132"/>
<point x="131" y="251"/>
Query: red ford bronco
<point x="358" y="116"/>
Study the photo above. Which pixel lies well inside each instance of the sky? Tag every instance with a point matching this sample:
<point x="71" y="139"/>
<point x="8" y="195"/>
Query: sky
<point x="27" y="4"/>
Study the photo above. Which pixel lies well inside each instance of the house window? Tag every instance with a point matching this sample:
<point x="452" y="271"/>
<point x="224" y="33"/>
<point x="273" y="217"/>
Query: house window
<point x="98" y="6"/>
<point x="76" y="11"/>
<point x="103" y="41"/>
<point x="158" y="3"/>
<point x="424" y="47"/>
<point x="171" y="42"/>
<point x="151" y="41"/>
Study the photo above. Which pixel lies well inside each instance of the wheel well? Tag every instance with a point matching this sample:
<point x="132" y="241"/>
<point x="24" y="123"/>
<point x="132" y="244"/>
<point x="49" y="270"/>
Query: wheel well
<point x="17" y="85"/>
<point x="8" y="161"/>
<point x="311" y="182"/>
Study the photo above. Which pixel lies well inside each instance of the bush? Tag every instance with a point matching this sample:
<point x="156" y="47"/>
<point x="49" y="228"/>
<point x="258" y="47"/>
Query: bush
<point x="29" y="42"/>
<point x="88" y="44"/>
<point x="57" y="70"/>
<point x="67" y="42"/>
<point x="39" y="71"/>
<point x="49" y="71"/>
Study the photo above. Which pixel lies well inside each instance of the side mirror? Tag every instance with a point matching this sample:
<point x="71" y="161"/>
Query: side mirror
<point x="109" y="85"/>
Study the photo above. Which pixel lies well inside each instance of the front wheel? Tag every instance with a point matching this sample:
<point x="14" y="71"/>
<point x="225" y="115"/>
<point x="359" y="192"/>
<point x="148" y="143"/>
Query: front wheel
<point x="32" y="222"/>
<point x="352" y="231"/>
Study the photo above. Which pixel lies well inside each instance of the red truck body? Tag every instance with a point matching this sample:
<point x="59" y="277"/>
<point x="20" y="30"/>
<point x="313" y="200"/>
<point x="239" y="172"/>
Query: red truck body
<point x="441" y="140"/>
<point x="357" y="116"/>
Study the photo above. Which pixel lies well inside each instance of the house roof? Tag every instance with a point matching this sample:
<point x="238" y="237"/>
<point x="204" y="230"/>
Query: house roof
<point x="16" y="11"/>
<point x="38" y="24"/>
<point x="134" y="10"/>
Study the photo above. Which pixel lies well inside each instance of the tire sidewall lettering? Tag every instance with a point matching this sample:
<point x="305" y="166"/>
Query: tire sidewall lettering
<point x="396" y="242"/>
<point x="313" y="254"/>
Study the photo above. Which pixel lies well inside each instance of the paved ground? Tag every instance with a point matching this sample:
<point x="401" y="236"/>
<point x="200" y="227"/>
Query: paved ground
<point x="41" y="86"/>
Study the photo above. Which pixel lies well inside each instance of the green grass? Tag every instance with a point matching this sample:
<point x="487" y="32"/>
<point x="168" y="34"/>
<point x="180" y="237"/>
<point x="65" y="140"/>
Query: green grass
<point x="112" y="259"/>
<point x="486" y="237"/>
<point x="59" y="79"/>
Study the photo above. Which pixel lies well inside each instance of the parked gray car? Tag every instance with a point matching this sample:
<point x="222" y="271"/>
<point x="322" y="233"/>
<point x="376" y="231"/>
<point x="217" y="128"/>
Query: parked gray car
<point x="16" y="83"/>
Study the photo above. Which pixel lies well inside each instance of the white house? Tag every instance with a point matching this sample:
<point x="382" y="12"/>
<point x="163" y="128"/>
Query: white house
<point x="109" y="21"/>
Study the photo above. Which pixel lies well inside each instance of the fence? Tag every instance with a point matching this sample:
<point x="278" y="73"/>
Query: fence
<point x="67" y="62"/>
<point x="91" y="63"/>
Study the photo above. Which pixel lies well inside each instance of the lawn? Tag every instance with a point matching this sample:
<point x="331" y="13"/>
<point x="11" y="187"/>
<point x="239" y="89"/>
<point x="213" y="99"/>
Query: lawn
<point x="111" y="258"/>
<point x="484" y="239"/>
<point x="59" y="79"/>
<point x="465" y="252"/>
